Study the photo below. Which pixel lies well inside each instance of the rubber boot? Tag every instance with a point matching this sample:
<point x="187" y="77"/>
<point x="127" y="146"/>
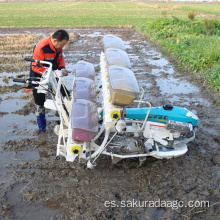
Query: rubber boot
<point x="41" y="119"/>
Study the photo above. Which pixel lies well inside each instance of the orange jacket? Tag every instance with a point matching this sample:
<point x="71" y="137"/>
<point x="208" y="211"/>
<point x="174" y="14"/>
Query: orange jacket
<point x="44" y="50"/>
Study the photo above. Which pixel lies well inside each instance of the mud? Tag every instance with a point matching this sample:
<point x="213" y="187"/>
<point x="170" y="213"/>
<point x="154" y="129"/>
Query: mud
<point x="34" y="185"/>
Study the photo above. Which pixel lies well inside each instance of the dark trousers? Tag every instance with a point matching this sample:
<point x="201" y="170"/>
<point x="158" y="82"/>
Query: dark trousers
<point x="40" y="98"/>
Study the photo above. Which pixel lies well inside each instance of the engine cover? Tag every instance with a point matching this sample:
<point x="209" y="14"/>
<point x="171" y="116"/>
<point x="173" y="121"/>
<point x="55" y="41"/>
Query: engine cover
<point x="159" y="130"/>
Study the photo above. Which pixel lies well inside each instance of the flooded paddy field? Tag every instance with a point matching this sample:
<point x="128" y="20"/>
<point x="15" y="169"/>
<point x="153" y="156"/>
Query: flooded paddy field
<point x="34" y="185"/>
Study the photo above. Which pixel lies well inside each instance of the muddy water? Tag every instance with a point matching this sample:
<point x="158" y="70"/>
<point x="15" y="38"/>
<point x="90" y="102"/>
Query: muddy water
<point x="36" y="186"/>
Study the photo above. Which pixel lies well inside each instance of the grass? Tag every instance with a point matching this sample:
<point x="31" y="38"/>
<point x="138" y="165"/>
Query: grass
<point x="51" y="14"/>
<point x="39" y="14"/>
<point x="165" y="23"/>
<point x="213" y="9"/>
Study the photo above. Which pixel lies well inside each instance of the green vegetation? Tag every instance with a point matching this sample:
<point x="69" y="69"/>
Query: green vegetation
<point x="49" y="14"/>
<point x="177" y="27"/>
<point x="199" y="8"/>
<point x="190" y="43"/>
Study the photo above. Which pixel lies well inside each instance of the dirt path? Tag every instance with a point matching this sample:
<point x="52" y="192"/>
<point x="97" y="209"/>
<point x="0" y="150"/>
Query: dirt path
<point x="36" y="186"/>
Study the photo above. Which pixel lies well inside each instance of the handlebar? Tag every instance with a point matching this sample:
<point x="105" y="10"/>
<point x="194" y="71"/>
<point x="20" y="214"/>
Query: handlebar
<point x="20" y="80"/>
<point x="30" y="59"/>
<point x="31" y="80"/>
<point x="38" y="62"/>
<point x="46" y="75"/>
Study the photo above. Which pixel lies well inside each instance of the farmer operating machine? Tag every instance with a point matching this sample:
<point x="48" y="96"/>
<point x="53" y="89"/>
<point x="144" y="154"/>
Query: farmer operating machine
<point x="90" y="127"/>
